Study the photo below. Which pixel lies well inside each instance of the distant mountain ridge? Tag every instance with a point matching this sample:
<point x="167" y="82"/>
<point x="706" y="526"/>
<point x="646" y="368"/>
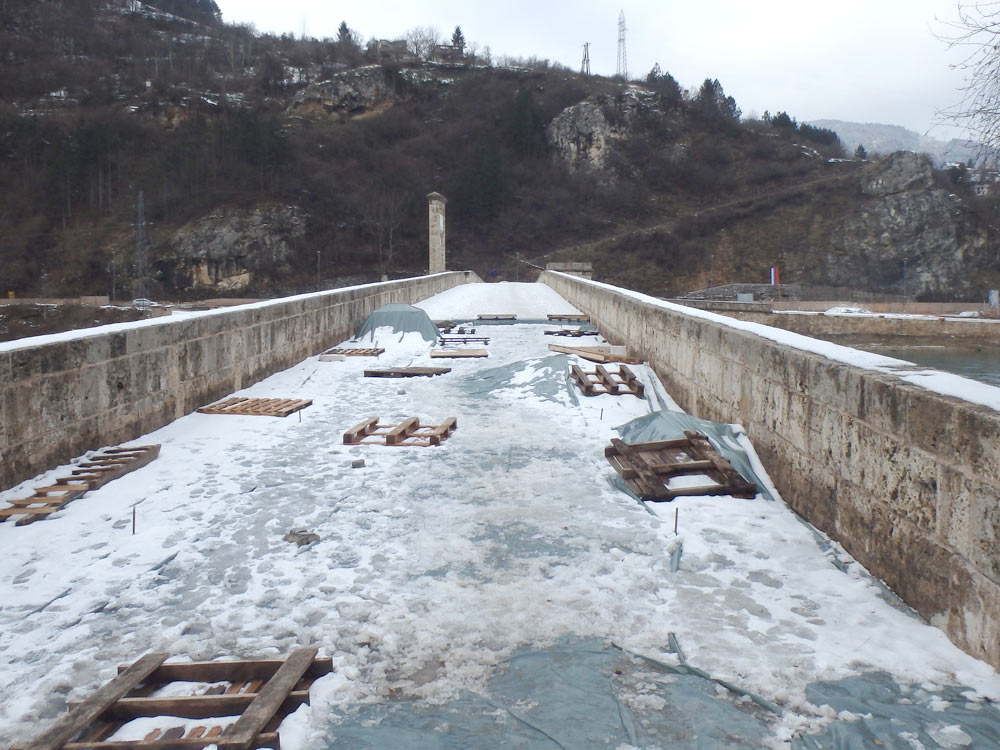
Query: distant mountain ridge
<point x="883" y="139"/>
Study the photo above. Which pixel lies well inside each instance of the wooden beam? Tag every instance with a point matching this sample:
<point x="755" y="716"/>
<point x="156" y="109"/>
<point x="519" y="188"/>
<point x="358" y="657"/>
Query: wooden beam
<point x="88" y="711"/>
<point x="243" y="733"/>
<point x="195" y="706"/>
<point x="263" y="740"/>
<point x="360" y="430"/>
<point x="400" y="432"/>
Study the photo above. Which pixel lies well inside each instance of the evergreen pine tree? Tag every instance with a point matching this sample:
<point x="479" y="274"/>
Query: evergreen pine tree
<point x="458" y="38"/>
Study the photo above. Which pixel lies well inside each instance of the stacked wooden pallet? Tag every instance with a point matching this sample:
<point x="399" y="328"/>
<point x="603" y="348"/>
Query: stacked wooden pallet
<point x="409" y="432"/>
<point x="647" y="468"/>
<point x="576" y="318"/>
<point x="603" y="381"/>
<point x="106" y="466"/>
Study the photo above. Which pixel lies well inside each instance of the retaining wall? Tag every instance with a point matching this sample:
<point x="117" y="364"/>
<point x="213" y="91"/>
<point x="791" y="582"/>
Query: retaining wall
<point x="61" y="399"/>
<point x="906" y="479"/>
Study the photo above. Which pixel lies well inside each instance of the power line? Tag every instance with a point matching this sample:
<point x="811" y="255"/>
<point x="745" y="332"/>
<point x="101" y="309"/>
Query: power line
<point x="622" y="71"/>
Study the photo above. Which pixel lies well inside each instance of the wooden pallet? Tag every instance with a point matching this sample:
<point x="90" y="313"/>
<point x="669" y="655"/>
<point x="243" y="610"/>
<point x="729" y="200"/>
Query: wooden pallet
<point x="600" y="354"/>
<point x="90" y="474"/>
<point x="409" y="432"/>
<point x="573" y="332"/>
<point x="261" y="693"/>
<point x="257" y="407"/>
<point x="602" y="381"/>
<point x="648" y="467"/>
<point x="497" y="316"/>
<point x="458" y="353"/>
<point x="578" y="318"/>
<point x="407" y="372"/>
<point x="355" y="352"/>
<point x="446" y="340"/>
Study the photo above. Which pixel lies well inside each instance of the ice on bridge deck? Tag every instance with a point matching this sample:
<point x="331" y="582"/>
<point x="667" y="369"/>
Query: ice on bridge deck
<point x="494" y="591"/>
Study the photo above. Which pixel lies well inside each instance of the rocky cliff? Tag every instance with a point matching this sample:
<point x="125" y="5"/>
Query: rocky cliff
<point x="905" y="234"/>
<point x="231" y="249"/>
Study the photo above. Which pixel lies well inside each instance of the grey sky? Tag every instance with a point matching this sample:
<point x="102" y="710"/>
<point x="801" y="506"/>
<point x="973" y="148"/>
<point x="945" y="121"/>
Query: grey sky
<point x="866" y="61"/>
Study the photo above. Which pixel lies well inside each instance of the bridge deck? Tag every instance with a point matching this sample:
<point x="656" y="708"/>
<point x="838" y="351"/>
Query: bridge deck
<point x="443" y="574"/>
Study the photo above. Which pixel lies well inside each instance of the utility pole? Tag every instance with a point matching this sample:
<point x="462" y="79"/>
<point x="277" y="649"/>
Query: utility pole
<point x="517" y="266"/>
<point x="141" y="258"/>
<point x="622" y="71"/>
<point x="904" y="283"/>
<point x="585" y="65"/>
<point x="318" y="283"/>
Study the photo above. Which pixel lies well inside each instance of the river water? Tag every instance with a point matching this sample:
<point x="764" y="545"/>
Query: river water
<point x="979" y="362"/>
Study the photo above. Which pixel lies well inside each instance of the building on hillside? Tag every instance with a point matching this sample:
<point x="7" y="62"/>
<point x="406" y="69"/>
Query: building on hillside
<point x="394" y="50"/>
<point x="449" y="54"/>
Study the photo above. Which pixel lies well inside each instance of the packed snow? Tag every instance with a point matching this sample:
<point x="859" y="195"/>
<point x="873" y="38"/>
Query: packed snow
<point x="436" y="565"/>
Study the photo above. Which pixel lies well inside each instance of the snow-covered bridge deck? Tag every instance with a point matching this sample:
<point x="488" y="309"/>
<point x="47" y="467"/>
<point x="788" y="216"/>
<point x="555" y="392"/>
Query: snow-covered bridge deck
<point x="438" y="566"/>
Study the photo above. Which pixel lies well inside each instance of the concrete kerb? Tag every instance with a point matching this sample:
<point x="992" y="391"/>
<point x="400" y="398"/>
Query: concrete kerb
<point x="906" y="478"/>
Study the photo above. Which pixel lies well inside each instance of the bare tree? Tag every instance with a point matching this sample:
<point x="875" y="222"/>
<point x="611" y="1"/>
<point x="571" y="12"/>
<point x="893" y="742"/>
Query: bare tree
<point x="421" y="40"/>
<point x="382" y="212"/>
<point x="977" y="33"/>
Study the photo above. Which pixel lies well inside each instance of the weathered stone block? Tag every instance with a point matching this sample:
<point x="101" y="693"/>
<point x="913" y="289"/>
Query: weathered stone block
<point x="931" y="422"/>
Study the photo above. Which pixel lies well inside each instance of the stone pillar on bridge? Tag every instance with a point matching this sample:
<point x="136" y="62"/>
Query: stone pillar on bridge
<point x="435" y="211"/>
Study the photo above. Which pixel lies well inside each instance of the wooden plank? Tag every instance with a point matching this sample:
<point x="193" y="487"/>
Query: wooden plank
<point x="577" y="317"/>
<point x="401" y="431"/>
<point x="609" y="383"/>
<point x="194" y="706"/>
<point x="43" y="500"/>
<point x="458" y="353"/>
<point x="348" y="352"/>
<point x="269" y="739"/>
<point x="88" y="711"/>
<point x="228" y="671"/>
<point x="407" y="372"/>
<point x="442" y="431"/>
<point x="357" y="433"/>
<point x="65" y="489"/>
<point x="29" y="511"/>
<point x="135" y="461"/>
<point x="268" y="701"/>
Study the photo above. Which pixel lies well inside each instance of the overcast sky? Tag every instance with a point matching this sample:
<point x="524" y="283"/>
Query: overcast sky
<point x="872" y="61"/>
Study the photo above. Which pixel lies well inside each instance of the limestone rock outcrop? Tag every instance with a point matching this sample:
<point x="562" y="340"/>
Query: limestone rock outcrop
<point x="345" y="94"/>
<point x="586" y="134"/>
<point x="903" y="234"/>
<point x="903" y="170"/>
<point x="223" y="250"/>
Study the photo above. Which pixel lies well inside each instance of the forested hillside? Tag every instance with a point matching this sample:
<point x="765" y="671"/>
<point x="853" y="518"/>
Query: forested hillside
<point x="151" y="148"/>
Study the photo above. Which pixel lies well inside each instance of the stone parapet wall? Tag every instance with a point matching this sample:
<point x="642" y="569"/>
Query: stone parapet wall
<point x="92" y="389"/>
<point x="908" y="480"/>
<point x="967" y="330"/>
